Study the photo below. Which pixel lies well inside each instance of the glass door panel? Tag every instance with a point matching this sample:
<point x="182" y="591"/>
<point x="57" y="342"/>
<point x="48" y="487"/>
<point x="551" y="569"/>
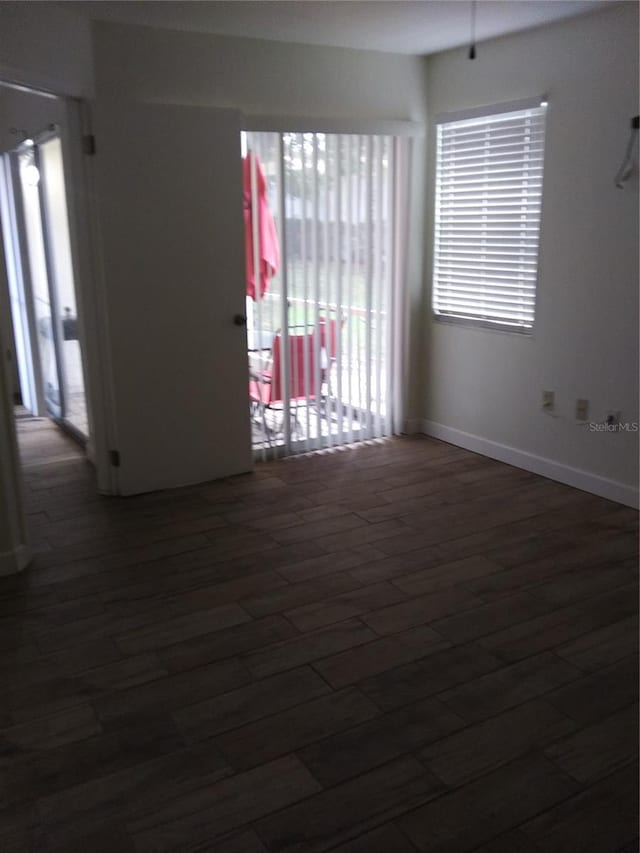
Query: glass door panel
<point x="48" y="283"/>
<point x="61" y="282"/>
<point x="29" y="178"/>
<point x="20" y="307"/>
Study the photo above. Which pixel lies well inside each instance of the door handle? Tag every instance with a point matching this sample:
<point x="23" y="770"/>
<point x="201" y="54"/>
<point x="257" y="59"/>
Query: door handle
<point x="239" y="320"/>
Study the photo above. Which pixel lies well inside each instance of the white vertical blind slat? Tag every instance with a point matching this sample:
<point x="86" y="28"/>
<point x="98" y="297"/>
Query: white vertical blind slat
<point x="369" y="243"/>
<point x="388" y="284"/>
<point x="338" y="248"/>
<point x="305" y="290"/>
<point x="328" y="219"/>
<point x="315" y="313"/>
<point x="361" y="220"/>
<point x="349" y="295"/>
<point x="379" y="257"/>
<point x="284" y="296"/>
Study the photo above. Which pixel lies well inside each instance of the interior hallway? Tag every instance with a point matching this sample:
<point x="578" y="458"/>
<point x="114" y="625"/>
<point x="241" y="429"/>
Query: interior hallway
<point x="404" y="643"/>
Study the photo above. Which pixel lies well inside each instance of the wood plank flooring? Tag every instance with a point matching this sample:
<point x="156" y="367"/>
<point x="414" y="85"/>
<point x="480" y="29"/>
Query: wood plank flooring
<point x="395" y="648"/>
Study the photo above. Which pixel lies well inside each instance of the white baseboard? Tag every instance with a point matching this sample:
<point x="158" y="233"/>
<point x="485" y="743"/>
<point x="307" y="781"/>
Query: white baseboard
<point x="14" y="561"/>
<point x="597" y="485"/>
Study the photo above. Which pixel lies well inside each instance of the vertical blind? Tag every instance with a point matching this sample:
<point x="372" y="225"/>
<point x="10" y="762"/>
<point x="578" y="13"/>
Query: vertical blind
<point x="326" y="321"/>
<point x="487" y="218"/>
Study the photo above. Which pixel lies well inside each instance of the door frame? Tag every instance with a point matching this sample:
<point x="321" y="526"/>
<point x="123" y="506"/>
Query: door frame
<point x="88" y="280"/>
<point x="84" y="237"/>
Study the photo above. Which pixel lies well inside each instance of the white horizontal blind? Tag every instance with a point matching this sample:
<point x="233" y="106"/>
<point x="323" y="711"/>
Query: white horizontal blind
<point x="487" y="221"/>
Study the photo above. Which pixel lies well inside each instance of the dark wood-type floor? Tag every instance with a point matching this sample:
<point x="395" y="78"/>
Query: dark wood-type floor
<point x="401" y="647"/>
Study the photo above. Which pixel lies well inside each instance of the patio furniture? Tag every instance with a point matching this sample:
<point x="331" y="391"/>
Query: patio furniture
<point x="266" y="387"/>
<point x="329" y="329"/>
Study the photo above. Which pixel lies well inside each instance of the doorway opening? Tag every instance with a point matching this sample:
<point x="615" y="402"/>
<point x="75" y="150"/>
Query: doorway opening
<point x="322" y="288"/>
<point x="48" y="362"/>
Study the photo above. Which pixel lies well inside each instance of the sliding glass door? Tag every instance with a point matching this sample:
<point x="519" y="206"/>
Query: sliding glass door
<point x="41" y="275"/>
<point x="320" y="306"/>
<point x="62" y="284"/>
<point x="29" y="178"/>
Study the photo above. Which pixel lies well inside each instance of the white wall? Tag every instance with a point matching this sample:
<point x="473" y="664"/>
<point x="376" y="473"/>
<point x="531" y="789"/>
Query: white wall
<point x="257" y="77"/>
<point x="46" y="46"/>
<point x="585" y="342"/>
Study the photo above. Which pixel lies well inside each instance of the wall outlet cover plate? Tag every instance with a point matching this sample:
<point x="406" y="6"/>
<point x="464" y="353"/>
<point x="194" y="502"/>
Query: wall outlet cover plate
<point x="582" y="410"/>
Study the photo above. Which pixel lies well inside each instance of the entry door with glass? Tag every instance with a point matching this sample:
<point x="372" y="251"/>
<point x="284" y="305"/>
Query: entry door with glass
<point x="42" y="286"/>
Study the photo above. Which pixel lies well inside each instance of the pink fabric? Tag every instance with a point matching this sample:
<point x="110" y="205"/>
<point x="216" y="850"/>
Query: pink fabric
<point x="302" y="384"/>
<point x="269" y="249"/>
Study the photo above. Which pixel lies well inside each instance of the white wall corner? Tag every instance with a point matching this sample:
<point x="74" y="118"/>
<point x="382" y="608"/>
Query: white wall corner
<point x="14" y="561"/>
<point x="579" y="479"/>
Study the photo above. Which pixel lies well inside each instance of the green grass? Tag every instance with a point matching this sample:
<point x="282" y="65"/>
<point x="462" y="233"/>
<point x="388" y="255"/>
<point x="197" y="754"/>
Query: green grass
<point x="354" y="291"/>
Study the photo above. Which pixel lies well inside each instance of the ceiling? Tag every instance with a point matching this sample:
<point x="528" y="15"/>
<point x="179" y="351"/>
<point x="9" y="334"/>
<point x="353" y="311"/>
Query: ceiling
<point x="399" y="26"/>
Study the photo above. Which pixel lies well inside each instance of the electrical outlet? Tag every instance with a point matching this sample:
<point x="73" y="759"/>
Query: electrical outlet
<point x="548" y="400"/>
<point x="582" y="410"/>
<point x="613" y="418"/>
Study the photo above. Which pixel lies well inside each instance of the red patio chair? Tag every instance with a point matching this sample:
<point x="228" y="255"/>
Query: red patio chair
<point x="265" y="387"/>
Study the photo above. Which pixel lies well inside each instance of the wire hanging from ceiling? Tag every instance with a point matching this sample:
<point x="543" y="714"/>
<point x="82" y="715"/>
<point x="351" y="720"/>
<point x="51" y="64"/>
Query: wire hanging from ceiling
<point x="472" y="45"/>
<point x="626" y="168"/>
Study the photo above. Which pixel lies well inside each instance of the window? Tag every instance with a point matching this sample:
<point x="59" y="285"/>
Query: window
<point x="487" y="219"/>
